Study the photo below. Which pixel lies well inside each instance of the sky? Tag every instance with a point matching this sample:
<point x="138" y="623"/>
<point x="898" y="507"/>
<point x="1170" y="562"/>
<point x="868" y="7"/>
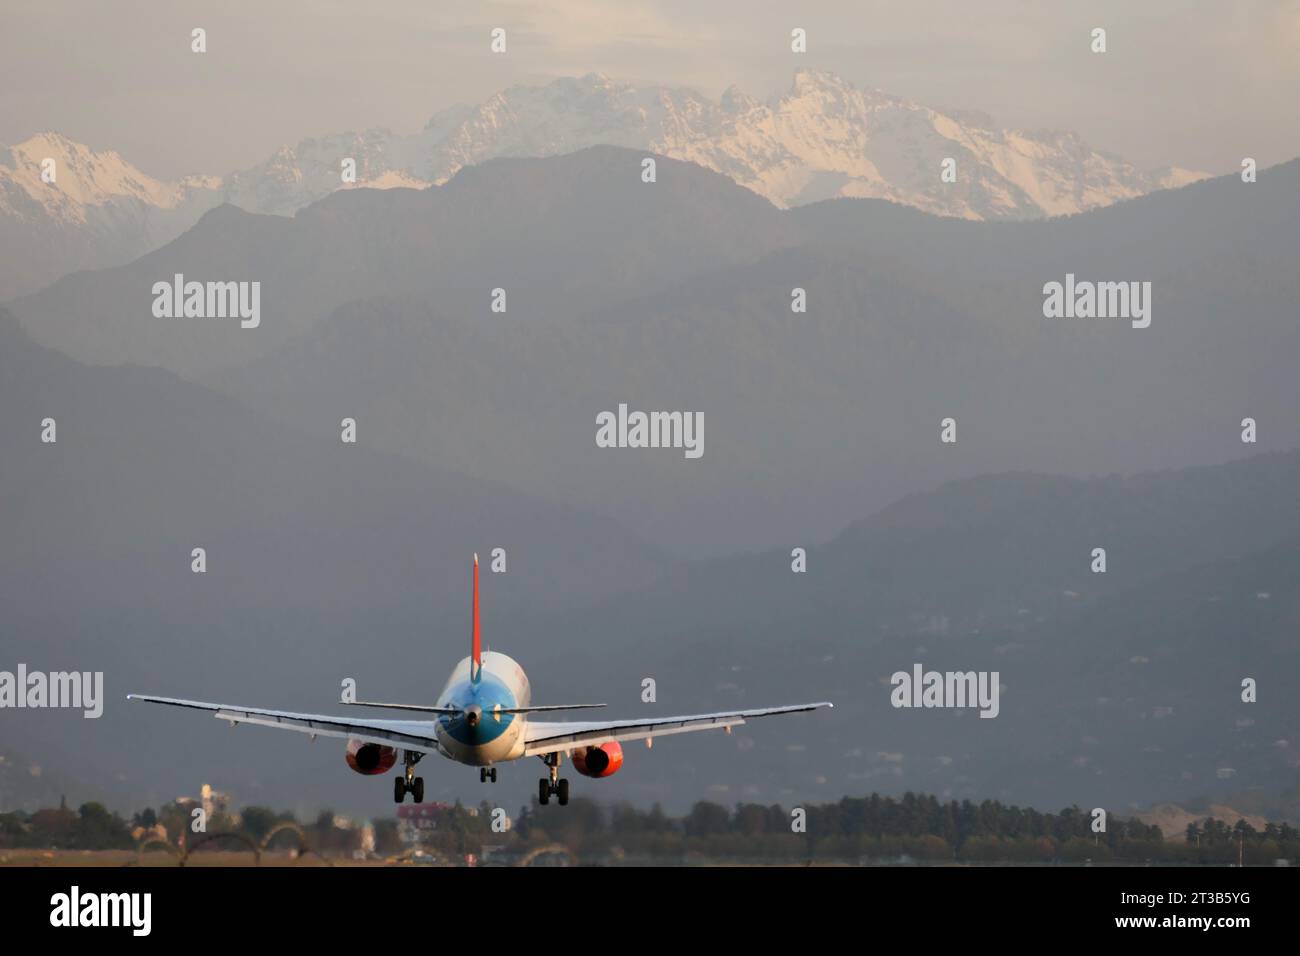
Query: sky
<point x="1192" y="83"/>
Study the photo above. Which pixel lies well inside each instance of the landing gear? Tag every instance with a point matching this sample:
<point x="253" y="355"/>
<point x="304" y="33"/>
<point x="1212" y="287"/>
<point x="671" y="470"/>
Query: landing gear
<point x="487" y="773"/>
<point x="409" y="783"/>
<point x="553" y="784"/>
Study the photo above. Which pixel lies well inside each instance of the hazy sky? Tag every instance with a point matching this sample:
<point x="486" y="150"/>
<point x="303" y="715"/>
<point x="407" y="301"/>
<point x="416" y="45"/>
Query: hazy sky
<point x="1196" y="83"/>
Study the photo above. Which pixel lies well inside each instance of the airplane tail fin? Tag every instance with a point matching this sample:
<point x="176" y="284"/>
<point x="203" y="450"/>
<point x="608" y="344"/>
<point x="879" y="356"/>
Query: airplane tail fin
<point x="476" y="667"/>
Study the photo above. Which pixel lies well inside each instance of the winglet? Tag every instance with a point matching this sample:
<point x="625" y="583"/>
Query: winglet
<point x="477" y="666"/>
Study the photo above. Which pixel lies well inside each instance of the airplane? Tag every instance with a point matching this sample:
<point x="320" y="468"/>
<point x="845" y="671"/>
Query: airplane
<point x="483" y="717"/>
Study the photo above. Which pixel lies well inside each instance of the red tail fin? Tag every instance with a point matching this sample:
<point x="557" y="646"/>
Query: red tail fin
<point x="478" y="648"/>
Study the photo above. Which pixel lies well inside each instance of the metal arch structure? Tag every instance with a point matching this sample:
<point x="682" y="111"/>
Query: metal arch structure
<point x="182" y="856"/>
<point x="560" y="848"/>
<point x="223" y="835"/>
<point x="152" y="841"/>
<point x="281" y="827"/>
<point x="303" y="847"/>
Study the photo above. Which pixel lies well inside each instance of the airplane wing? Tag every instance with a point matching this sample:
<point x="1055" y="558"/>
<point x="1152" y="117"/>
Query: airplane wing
<point x="543" y="737"/>
<point x="410" y="734"/>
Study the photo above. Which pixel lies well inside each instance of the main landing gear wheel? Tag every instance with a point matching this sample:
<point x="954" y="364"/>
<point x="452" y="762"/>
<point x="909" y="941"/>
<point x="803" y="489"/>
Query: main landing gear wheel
<point x="561" y="790"/>
<point x="552" y="784"/>
<point x="487" y="773"/>
<point x="409" y="782"/>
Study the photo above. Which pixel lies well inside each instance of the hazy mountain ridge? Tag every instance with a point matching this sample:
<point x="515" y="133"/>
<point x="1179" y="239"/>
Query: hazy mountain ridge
<point x="492" y="226"/>
<point x="819" y="139"/>
<point x="677" y="295"/>
<point x="1120" y="689"/>
<point x="141" y="449"/>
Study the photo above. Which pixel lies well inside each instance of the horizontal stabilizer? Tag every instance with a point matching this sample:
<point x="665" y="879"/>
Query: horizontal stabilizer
<point x="457" y="711"/>
<point x="451" y="711"/>
<point x="543" y="709"/>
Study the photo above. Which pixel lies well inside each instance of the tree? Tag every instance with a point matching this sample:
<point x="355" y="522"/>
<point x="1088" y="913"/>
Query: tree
<point x="258" y="822"/>
<point x="53" y="828"/>
<point x="98" y="829"/>
<point x="146" y="818"/>
<point x="751" y="819"/>
<point x="707" y="819"/>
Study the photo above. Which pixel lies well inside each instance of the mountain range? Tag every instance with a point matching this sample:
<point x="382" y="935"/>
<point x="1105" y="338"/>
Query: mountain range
<point x="821" y="138"/>
<point x="678" y="295"/>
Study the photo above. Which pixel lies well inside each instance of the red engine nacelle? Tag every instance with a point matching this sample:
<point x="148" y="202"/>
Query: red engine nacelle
<point x="602" y="761"/>
<point x="370" y="759"/>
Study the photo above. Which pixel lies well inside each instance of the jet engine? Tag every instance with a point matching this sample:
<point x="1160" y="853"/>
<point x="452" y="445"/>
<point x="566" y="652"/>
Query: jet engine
<point x="602" y="761"/>
<point x="370" y="759"/>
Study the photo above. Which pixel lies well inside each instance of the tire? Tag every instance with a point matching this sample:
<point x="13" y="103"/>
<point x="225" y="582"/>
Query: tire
<point x="399" y="789"/>
<point x="493" y="774"/>
<point x="564" y="791"/>
<point x="482" y="774"/>
<point x="418" y="790"/>
<point x="544" y="791"/>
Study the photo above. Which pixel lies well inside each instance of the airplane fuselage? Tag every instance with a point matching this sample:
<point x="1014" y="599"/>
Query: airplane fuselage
<point x="481" y="735"/>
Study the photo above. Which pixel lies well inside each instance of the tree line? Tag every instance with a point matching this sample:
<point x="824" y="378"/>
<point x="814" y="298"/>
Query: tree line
<point x="915" y="827"/>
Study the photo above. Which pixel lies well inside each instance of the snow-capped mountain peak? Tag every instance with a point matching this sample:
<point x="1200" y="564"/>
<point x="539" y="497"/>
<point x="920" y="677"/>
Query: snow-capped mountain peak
<point x="820" y="138"/>
<point x="823" y="137"/>
<point x="65" y="206"/>
<point x="83" y="178"/>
